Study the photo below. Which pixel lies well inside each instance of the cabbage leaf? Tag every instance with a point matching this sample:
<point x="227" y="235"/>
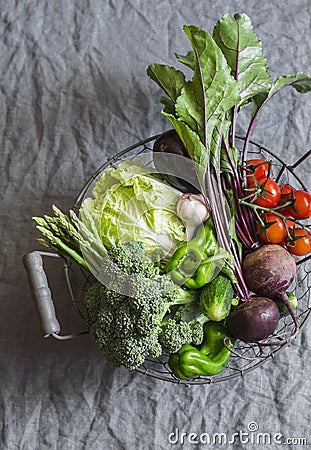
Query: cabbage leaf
<point x="133" y="203"/>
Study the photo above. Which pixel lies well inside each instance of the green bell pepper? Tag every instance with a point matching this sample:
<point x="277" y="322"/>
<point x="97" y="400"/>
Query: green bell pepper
<point x="210" y="358"/>
<point x="190" y="265"/>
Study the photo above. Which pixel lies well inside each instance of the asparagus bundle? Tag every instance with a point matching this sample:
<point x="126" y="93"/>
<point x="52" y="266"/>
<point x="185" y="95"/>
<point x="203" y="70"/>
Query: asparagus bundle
<point x="70" y="237"/>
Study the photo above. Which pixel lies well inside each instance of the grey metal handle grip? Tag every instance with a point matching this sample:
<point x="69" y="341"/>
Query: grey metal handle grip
<point x="41" y="293"/>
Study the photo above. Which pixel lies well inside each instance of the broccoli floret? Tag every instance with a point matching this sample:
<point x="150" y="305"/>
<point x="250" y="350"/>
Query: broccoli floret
<point x="174" y="335"/>
<point x="126" y="320"/>
<point x="197" y="329"/>
<point x="185" y="326"/>
<point x="131" y="258"/>
<point x="124" y="265"/>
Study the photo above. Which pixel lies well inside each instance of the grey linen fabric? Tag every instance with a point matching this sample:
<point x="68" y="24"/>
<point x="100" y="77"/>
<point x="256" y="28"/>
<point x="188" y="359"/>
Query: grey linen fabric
<point x="73" y="91"/>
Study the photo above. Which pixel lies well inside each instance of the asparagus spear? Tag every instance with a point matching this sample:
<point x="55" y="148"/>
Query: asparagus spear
<point x="71" y="238"/>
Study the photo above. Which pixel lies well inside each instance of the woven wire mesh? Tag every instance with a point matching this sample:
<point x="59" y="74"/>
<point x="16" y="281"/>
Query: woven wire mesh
<point x="245" y="357"/>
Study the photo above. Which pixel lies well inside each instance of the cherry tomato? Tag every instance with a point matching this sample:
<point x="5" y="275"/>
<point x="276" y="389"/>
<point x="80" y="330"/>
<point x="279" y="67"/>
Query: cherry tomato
<point x="287" y="193"/>
<point x="301" y="245"/>
<point x="271" y="194"/>
<point x="286" y="190"/>
<point x="275" y="231"/>
<point x="301" y="209"/>
<point x="256" y="169"/>
<point x="290" y="224"/>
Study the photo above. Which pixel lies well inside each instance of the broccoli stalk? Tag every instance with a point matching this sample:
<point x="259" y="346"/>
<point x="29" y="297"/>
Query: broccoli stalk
<point x="125" y="315"/>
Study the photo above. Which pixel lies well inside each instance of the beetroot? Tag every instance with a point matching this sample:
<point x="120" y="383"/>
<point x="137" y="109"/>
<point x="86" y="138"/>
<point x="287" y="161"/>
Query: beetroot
<point x="269" y="271"/>
<point x="253" y="320"/>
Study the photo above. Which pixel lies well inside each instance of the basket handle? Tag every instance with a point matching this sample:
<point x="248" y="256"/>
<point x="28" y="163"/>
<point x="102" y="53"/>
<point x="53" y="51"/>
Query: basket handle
<point x="41" y="292"/>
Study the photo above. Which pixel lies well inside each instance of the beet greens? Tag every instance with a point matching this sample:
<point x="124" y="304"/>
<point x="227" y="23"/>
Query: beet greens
<point x="230" y="72"/>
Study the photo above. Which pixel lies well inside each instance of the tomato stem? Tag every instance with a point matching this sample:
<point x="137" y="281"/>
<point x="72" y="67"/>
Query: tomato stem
<point x="272" y="210"/>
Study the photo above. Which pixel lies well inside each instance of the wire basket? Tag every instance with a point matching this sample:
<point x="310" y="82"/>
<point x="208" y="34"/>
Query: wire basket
<point x="245" y="357"/>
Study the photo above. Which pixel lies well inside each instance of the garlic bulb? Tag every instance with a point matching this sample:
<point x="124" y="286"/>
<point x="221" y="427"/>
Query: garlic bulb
<point x="192" y="210"/>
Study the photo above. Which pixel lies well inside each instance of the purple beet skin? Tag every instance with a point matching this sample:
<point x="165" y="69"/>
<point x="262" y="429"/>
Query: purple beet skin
<point x="253" y="320"/>
<point x="269" y="270"/>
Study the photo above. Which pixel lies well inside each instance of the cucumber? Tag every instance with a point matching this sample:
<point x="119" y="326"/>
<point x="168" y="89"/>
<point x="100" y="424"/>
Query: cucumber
<point x="216" y="298"/>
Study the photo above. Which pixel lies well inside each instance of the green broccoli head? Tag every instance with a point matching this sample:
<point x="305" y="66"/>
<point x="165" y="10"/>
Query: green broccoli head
<point x="126" y="328"/>
<point x="117" y="324"/>
<point x="130" y="352"/>
<point x="176" y="331"/>
<point x="174" y="335"/>
<point x="127" y="269"/>
<point x="126" y="321"/>
<point x="197" y="331"/>
<point x="131" y="258"/>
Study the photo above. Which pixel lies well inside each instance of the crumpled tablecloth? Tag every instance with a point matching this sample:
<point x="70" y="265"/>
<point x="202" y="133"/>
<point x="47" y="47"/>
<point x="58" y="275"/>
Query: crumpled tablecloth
<point x="73" y="91"/>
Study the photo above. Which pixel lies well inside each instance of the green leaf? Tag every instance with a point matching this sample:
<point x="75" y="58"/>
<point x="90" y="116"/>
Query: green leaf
<point x="202" y="105"/>
<point x="212" y="89"/>
<point x="168" y="78"/>
<point x="187" y="60"/>
<point x="300" y="82"/>
<point x="225" y="165"/>
<point x="217" y="127"/>
<point x="169" y="104"/>
<point x="192" y="142"/>
<point x="258" y="100"/>
<point x="243" y="52"/>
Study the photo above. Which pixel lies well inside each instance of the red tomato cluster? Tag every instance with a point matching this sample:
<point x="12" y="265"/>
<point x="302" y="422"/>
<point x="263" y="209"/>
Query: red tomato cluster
<point x="267" y="193"/>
